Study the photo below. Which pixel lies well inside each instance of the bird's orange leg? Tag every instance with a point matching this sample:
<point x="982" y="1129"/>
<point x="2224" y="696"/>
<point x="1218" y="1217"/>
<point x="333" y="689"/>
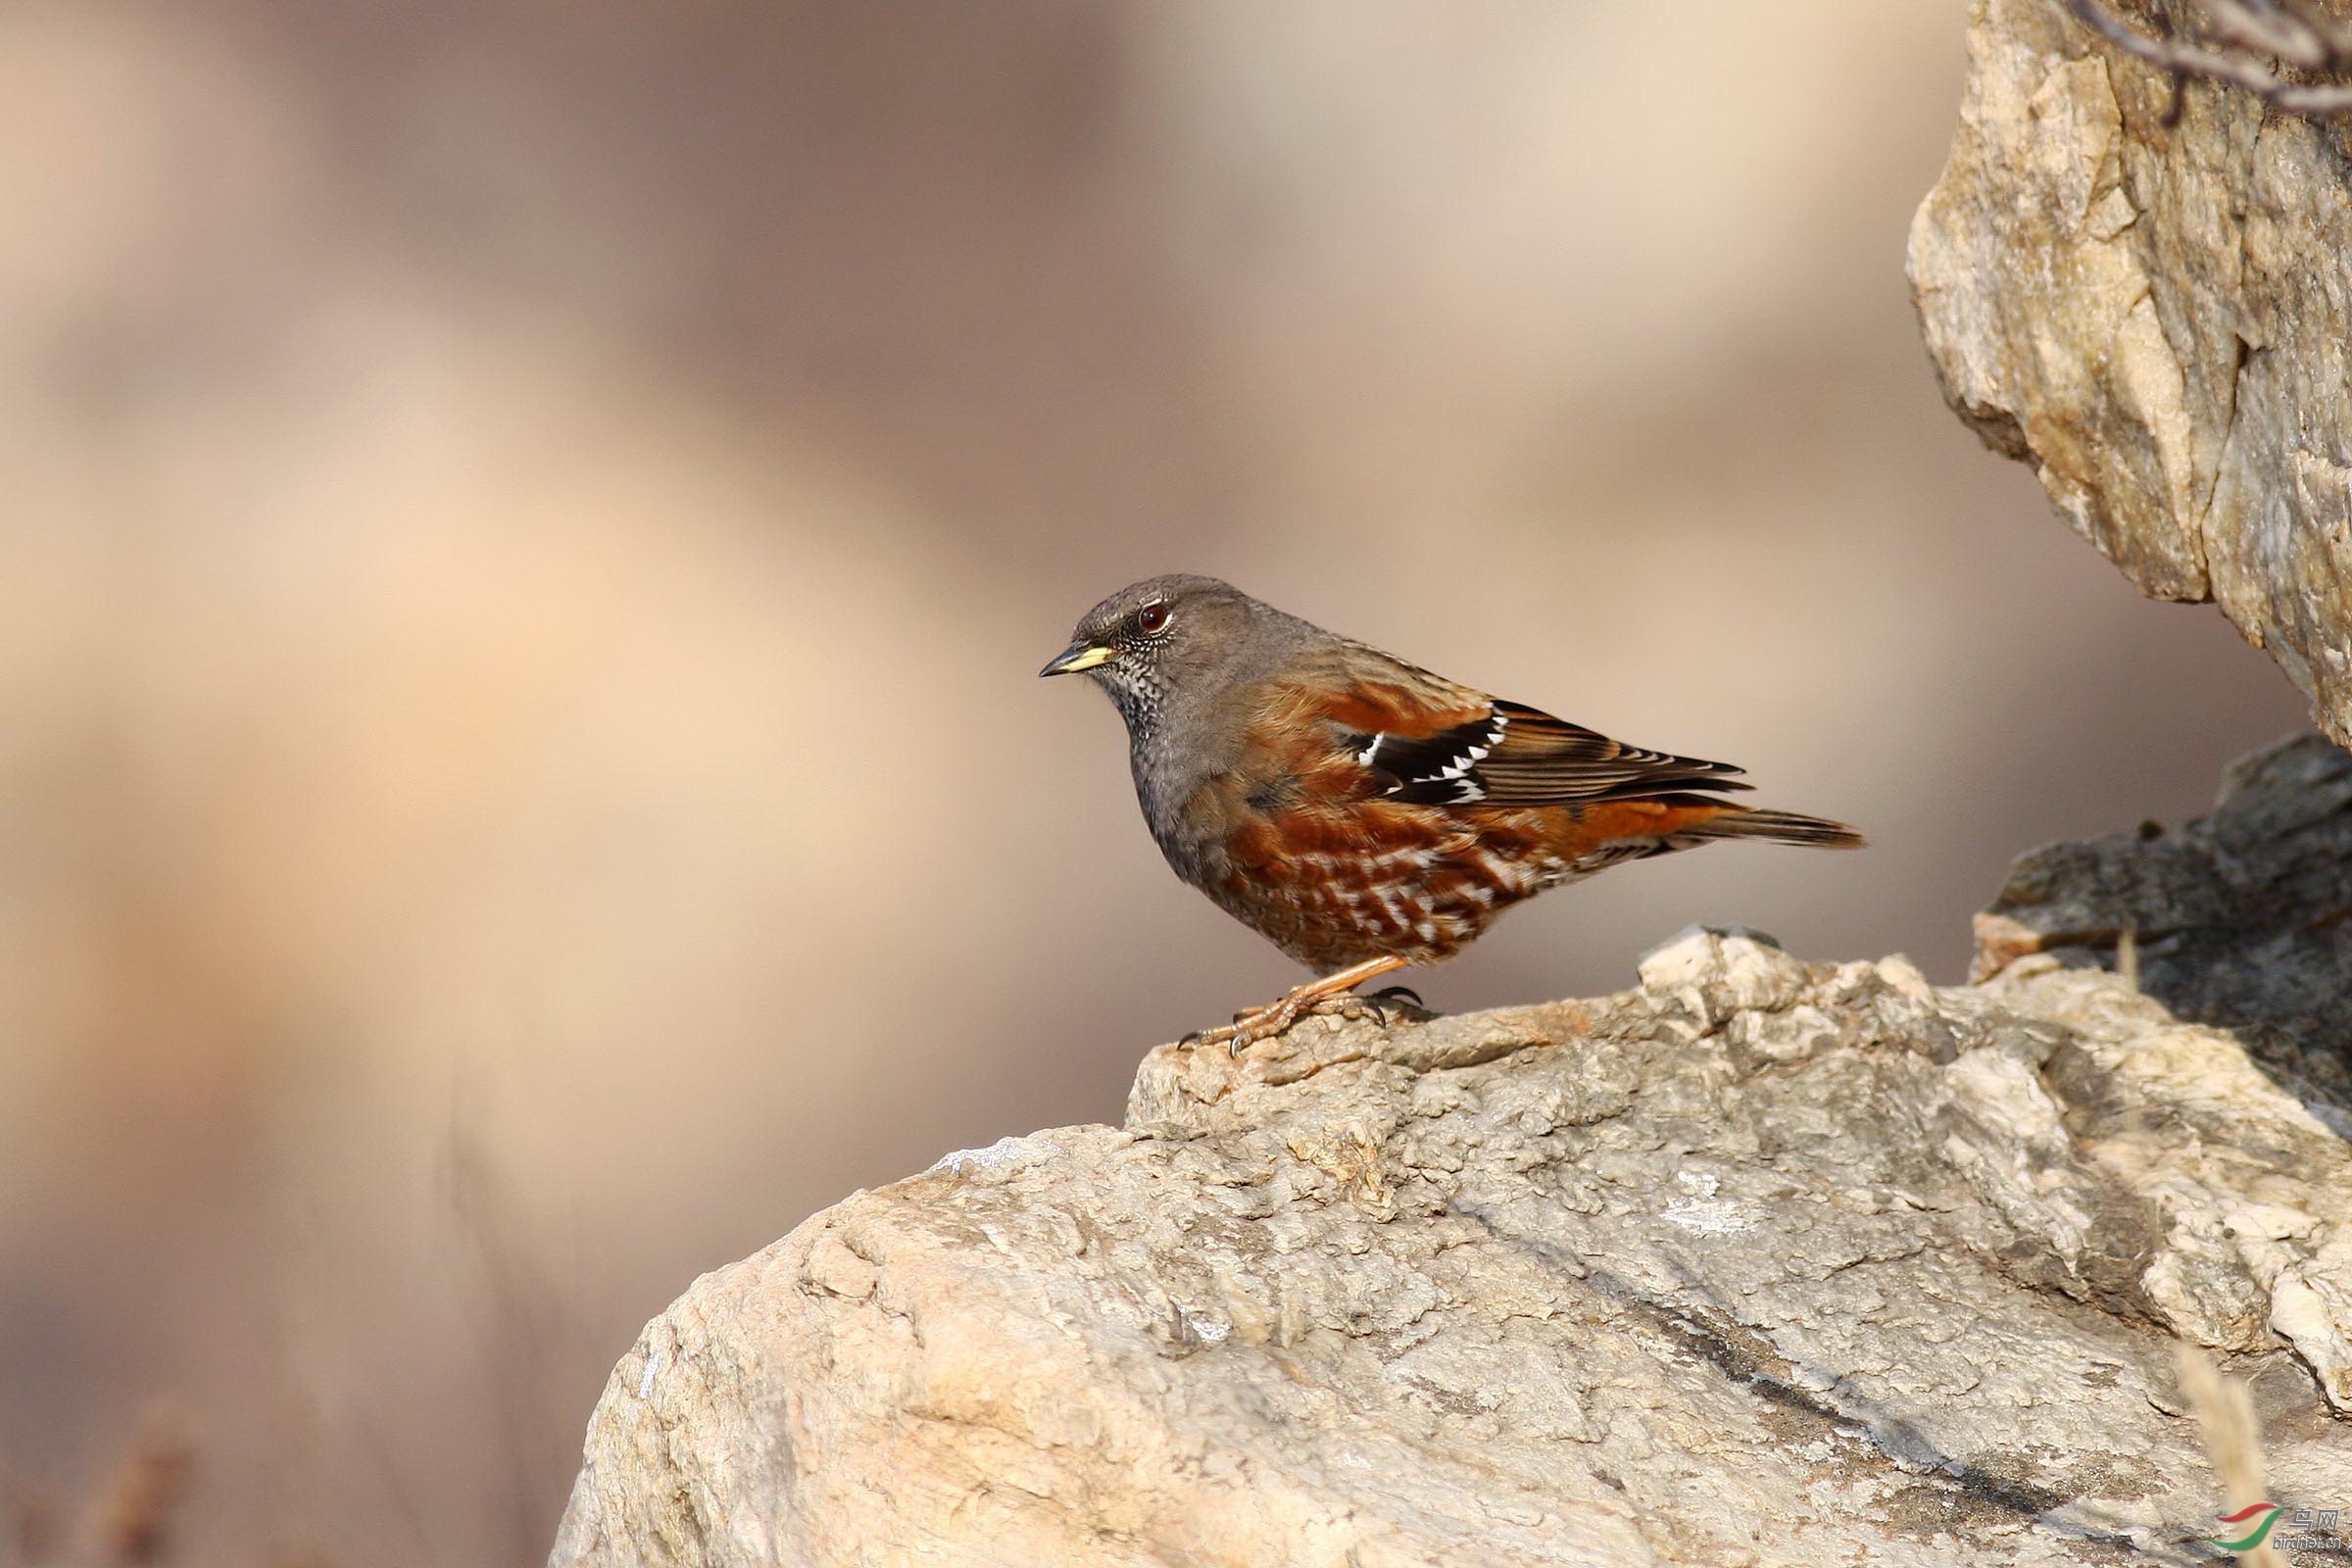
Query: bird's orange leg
<point x="1330" y="994"/>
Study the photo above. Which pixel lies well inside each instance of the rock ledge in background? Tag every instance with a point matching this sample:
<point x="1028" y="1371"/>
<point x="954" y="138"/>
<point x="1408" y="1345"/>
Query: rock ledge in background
<point x="1763" y="1262"/>
<point x="2158" y="319"/>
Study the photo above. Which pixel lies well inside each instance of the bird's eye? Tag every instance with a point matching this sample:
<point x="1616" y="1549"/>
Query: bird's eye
<point x="1152" y="619"/>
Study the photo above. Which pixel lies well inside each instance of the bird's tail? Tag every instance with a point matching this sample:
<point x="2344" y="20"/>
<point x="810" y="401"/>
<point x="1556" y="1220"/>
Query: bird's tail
<point x="1779" y="827"/>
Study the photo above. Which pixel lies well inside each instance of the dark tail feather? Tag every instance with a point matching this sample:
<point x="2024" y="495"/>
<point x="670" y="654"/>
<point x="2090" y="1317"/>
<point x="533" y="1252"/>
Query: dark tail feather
<point x="1781" y="827"/>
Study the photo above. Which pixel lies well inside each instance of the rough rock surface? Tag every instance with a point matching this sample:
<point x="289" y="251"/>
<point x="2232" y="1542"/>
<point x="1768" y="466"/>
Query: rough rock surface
<point x="2160" y="320"/>
<point x="1763" y="1262"/>
<point x="2241" y="919"/>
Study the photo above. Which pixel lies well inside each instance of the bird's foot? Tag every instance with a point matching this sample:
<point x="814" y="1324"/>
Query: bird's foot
<point x="1334" y="993"/>
<point x="1315" y="1000"/>
<point x="1255" y="1024"/>
<point x="1387" y="1007"/>
<point x="1401" y="996"/>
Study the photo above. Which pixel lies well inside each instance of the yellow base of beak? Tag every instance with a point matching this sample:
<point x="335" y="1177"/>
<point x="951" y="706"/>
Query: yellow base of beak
<point x="1079" y="656"/>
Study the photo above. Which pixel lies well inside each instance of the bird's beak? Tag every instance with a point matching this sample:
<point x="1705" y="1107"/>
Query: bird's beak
<point x="1075" y="657"/>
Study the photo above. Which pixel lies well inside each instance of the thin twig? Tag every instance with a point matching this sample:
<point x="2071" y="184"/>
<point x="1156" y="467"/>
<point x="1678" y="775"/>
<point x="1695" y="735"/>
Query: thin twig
<point x="2297" y="32"/>
<point x="2335" y="35"/>
<point x="2267" y="33"/>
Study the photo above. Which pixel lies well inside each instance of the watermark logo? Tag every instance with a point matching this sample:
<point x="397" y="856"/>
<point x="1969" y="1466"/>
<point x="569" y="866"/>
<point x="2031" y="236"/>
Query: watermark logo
<point x="2266" y="1513"/>
<point x="2257" y="1523"/>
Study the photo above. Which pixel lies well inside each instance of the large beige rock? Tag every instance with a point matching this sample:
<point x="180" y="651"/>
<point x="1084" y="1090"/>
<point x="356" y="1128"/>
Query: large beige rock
<point x="2160" y="320"/>
<point x="1762" y="1262"/>
<point x="2243" y="918"/>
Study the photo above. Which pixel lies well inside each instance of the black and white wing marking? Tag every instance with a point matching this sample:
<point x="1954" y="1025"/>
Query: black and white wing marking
<point x="1512" y="754"/>
<point x="1436" y="770"/>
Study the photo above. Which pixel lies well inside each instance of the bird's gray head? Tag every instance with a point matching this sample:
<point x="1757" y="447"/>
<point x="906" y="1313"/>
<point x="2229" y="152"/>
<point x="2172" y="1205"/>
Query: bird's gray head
<point x="1168" y="638"/>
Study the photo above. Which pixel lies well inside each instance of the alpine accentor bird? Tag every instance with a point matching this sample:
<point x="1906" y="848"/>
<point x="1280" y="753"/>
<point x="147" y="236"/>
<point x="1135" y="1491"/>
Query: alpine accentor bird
<point x="1362" y="813"/>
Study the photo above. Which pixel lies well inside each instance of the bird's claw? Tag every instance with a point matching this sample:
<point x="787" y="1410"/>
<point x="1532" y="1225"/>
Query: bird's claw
<point x="1255" y="1024"/>
<point x="1381" y="1007"/>
<point x="1248" y="1027"/>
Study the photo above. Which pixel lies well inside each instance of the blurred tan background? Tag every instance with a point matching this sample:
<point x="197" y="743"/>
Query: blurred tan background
<point x="526" y="534"/>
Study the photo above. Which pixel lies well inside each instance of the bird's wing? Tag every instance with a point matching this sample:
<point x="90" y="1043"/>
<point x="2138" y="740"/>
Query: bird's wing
<point x="1422" y="740"/>
<point x="1537" y="759"/>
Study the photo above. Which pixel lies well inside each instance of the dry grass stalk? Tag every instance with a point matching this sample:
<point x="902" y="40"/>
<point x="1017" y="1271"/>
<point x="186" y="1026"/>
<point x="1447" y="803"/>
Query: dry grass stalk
<point x="2233" y="1440"/>
<point x="131" y="1520"/>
